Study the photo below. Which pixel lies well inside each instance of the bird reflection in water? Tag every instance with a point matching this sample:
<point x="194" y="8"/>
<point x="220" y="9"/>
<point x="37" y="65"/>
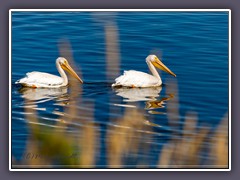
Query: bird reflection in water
<point x="149" y="95"/>
<point x="45" y="94"/>
<point x="138" y="94"/>
<point x="150" y="105"/>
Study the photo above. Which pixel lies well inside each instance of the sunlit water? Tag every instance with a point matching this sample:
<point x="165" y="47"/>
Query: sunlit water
<point x="193" y="45"/>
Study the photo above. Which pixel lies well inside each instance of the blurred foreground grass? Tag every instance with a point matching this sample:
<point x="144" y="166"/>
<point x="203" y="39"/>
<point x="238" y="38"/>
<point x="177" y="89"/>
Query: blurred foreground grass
<point x="126" y="140"/>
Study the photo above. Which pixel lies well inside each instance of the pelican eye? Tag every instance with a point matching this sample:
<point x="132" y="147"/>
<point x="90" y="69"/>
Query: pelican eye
<point x="63" y="63"/>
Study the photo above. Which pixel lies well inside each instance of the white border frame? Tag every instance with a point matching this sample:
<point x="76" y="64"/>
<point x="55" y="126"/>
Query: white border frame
<point x="118" y="10"/>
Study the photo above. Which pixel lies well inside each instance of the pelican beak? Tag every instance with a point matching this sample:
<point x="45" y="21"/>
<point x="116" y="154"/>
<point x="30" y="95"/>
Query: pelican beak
<point x="68" y="68"/>
<point x="157" y="63"/>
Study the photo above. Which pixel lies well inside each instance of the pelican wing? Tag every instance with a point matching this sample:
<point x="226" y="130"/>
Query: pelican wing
<point x="136" y="79"/>
<point x="40" y="79"/>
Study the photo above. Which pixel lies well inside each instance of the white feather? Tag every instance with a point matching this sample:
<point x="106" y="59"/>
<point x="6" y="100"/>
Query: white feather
<point x="133" y="78"/>
<point x="140" y="79"/>
<point x="46" y="80"/>
<point x="40" y="79"/>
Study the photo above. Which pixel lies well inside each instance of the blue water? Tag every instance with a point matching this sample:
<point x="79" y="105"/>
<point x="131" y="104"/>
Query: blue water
<point x="194" y="45"/>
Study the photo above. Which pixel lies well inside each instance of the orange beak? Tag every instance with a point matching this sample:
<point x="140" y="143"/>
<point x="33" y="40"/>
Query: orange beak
<point x="68" y="68"/>
<point x="157" y="63"/>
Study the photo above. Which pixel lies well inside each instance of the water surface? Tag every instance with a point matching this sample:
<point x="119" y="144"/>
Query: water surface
<point x="131" y="127"/>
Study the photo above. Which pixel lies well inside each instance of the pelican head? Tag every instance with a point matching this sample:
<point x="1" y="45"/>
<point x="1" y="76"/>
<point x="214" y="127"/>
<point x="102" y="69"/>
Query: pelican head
<point x="65" y="66"/>
<point x="158" y="63"/>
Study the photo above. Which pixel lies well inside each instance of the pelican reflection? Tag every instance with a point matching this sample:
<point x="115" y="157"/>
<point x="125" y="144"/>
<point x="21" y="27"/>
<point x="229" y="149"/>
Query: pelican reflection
<point x="138" y="94"/>
<point x="151" y="97"/>
<point x="37" y="94"/>
<point x="158" y="103"/>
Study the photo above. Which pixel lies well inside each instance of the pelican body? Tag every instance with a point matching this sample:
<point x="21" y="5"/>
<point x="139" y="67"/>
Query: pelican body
<point x="133" y="78"/>
<point x="45" y="80"/>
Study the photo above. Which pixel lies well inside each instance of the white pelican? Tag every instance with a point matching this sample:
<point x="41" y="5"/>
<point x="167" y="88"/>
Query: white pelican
<point x="46" y="80"/>
<point x="140" y="79"/>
